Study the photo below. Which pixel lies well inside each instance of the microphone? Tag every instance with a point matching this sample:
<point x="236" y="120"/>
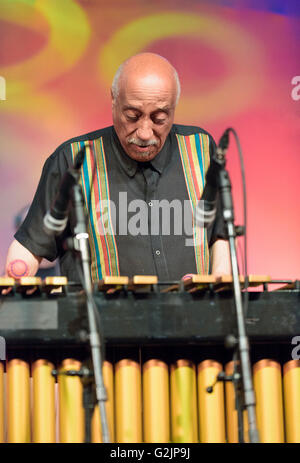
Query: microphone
<point x="206" y="208"/>
<point x="223" y="143"/>
<point x="56" y="218"/>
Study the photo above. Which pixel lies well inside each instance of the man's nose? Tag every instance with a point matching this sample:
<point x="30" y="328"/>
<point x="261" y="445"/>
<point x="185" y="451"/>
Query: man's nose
<point x="144" y="131"/>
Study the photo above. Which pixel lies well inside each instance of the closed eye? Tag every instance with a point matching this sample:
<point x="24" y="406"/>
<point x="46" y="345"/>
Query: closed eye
<point x="159" y="121"/>
<point x="131" y="118"/>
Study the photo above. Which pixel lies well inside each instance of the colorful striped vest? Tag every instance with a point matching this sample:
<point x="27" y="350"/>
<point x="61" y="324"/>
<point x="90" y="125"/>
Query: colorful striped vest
<point x="195" y="158"/>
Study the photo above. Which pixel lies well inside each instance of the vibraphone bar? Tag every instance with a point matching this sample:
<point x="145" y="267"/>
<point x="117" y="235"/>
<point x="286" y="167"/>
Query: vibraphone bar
<point x="157" y="370"/>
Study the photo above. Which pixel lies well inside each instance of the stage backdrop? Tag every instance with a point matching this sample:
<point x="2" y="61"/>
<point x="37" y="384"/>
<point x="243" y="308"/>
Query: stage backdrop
<point x="239" y="65"/>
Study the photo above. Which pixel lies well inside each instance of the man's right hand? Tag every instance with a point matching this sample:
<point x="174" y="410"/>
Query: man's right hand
<point x="20" y="262"/>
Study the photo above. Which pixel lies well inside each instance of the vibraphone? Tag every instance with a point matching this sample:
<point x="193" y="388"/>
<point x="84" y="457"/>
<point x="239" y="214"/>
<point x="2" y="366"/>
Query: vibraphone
<point x="164" y="347"/>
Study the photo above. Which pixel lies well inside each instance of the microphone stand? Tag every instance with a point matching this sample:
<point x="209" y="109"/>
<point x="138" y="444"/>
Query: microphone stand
<point x="242" y="341"/>
<point x="80" y="243"/>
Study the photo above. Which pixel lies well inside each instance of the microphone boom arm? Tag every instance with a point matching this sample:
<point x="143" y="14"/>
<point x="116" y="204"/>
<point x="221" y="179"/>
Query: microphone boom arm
<point x="224" y="185"/>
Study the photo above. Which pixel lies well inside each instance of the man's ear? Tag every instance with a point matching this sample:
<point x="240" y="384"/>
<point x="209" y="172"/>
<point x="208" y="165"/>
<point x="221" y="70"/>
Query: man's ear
<point x="112" y="97"/>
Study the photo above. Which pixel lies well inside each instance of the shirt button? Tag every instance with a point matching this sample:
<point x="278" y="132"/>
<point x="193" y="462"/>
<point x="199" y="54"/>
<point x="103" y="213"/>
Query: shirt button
<point x="150" y="203"/>
<point x="157" y="252"/>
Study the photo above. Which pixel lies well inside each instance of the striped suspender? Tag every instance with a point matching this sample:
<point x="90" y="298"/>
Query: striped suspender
<point x="194" y="153"/>
<point x="95" y="188"/>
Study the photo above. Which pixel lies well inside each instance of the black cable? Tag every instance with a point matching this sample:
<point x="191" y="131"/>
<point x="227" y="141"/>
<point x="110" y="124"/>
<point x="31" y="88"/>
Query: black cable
<point x="246" y="284"/>
<point x="92" y="300"/>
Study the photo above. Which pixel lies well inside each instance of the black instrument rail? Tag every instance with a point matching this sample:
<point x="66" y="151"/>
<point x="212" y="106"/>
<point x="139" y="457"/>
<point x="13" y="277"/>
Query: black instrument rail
<point x="150" y="318"/>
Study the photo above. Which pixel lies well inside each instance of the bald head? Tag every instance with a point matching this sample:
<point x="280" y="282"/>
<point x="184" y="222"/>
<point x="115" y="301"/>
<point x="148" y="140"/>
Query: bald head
<point x="151" y="67"/>
<point x="144" y="93"/>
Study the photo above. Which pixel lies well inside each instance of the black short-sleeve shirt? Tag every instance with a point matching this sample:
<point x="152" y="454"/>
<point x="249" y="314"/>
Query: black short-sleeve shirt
<point x="145" y="253"/>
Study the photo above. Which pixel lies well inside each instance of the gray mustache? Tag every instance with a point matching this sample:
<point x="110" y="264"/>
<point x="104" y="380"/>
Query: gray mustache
<point x="136" y="141"/>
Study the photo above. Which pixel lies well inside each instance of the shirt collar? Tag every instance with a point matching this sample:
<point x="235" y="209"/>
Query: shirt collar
<point x="159" y="162"/>
<point x="130" y="165"/>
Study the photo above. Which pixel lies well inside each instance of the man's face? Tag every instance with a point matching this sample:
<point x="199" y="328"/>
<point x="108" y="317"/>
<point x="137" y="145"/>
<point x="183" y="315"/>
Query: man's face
<point x="143" y="114"/>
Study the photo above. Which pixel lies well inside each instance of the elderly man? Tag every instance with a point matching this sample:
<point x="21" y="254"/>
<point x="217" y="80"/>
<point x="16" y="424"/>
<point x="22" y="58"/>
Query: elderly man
<point x="141" y="164"/>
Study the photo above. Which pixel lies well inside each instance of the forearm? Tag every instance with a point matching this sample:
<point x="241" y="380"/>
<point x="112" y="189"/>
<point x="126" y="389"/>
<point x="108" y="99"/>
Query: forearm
<point x="221" y="264"/>
<point x="20" y="262"/>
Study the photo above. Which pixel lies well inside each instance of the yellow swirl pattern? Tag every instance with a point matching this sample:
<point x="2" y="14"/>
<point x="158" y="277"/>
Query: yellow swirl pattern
<point x="68" y="36"/>
<point x="242" y="52"/>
